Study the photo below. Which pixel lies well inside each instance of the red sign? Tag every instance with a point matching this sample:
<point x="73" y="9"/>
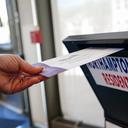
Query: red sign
<point x="36" y="36"/>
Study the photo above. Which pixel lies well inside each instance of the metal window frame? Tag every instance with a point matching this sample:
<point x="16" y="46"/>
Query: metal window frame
<point x="48" y="51"/>
<point x="14" y="25"/>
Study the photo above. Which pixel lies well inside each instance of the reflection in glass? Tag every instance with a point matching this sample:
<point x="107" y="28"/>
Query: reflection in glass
<point x="4" y="29"/>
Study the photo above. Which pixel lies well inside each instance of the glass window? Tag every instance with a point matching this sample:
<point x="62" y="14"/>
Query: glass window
<point x="4" y="25"/>
<point x="10" y="37"/>
<point x="5" y="41"/>
<point x="75" y="17"/>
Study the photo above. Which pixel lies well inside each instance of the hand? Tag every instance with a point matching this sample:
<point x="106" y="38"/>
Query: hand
<point x="16" y="74"/>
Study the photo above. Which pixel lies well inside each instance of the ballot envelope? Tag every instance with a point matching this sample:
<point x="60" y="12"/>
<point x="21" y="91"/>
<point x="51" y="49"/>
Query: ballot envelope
<point x="108" y="76"/>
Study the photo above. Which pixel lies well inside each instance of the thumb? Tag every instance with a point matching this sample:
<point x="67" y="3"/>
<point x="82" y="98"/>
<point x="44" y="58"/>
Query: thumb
<point x="28" y="68"/>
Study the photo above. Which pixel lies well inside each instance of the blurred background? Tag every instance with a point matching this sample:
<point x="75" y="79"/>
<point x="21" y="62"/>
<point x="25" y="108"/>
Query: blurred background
<point x="35" y="29"/>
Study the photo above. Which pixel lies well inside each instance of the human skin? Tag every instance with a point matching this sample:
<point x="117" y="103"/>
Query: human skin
<point x="17" y="74"/>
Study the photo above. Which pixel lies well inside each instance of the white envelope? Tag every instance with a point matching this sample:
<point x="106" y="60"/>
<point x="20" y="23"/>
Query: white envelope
<point x="60" y="64"/>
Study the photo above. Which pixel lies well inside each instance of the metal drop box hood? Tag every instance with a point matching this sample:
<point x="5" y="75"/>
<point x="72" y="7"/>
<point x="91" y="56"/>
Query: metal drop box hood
<point x="111" y="84"/>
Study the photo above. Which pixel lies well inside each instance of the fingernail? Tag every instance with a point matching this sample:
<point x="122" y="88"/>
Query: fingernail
<point x="41" y="68"/>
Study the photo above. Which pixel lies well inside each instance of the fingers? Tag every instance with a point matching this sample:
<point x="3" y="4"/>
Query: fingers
<point x="28" y="68"/>
<point x="35" y="80"/>
<point x="27" y="82"/>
